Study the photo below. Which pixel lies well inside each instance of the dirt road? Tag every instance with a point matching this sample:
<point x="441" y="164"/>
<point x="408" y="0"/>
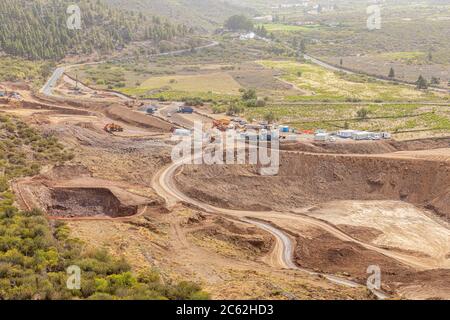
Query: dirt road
<point x="282" y="254"/>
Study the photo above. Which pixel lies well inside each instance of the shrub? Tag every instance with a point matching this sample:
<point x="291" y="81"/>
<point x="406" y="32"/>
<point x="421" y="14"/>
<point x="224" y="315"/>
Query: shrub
<point x="362" y="114"/>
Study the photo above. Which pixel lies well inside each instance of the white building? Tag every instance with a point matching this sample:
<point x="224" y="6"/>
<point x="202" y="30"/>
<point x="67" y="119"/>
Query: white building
<point x="248" y="36"/>
<point x="268" y="18"/>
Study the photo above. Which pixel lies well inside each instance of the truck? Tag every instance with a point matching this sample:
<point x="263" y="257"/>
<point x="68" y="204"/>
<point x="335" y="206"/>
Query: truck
<point x="150" y="110"/>
<point x="185" y="109"/>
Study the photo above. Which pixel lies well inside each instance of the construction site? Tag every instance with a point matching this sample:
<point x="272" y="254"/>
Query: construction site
<point x="309" y="232"/>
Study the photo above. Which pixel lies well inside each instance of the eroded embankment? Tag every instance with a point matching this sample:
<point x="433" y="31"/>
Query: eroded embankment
<point x="79" y="202"/>
<point x="309" y="179"/>
<point x="70" y="191"/>
<point x="148" y="122"/>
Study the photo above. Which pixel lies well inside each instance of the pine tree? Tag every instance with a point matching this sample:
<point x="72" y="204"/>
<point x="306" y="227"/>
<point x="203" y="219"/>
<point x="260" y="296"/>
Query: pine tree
<point x="421" y="83"/>
<point x="392" y="73"/>
<point x="37" y="29"/>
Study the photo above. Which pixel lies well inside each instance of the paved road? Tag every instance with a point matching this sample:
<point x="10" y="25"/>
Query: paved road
<point x="51" y="83"/>
<point x="325" y="65"/>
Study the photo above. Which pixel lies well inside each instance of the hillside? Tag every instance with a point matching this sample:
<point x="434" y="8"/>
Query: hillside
<point x="202" y="14"/>
<point x="45" y="34"/>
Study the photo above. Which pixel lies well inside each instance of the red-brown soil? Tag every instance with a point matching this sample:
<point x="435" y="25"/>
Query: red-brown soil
<point x="71" y="192"/>
<point x="322" y="251"/>
<point x="308" y="179"/>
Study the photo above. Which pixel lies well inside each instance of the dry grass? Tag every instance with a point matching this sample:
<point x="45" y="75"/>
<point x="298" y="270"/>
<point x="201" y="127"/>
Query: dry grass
<point x="220" y="83"/>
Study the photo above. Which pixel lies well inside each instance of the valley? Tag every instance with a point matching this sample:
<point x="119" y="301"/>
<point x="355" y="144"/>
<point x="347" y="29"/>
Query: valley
<point x="361" y="179"/>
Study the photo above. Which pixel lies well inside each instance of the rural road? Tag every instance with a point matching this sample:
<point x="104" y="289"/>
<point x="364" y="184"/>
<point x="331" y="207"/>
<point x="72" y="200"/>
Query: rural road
<point x="326" y="65"/>
<point x="47" y="89"/>
<point x="337" y="69"/>
<point x="281" y="256"/>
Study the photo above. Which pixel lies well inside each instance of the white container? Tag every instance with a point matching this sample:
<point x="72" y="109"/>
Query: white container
<point x="182" y="133"/>
<point x="321" y="137"/>
<point x="346" y="134"/>
<point x="361" y="135"/>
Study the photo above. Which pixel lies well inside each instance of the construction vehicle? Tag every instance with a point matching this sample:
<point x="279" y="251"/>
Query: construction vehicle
<point x="221" y="124"/>
<point x="134" y="103"/>
<point x="185" y="109"/>
<point x="112" y="127"/>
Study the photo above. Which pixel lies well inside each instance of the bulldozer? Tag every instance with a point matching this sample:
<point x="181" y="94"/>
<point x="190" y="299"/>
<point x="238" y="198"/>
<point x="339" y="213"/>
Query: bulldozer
<point x="134" y="103"/>
<point x="112" y="127"/>
<point x="221" y="124"/>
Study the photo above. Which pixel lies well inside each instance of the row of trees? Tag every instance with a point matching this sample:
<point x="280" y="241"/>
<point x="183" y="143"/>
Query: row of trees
<point x="421" y="82"/>
<point x="38" y="29"/>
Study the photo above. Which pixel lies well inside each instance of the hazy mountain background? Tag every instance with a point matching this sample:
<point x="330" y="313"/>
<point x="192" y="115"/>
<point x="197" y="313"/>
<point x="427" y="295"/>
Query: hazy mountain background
<point x="202" y="14"/>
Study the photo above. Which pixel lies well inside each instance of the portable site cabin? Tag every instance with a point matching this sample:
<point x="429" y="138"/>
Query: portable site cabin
<point x="376" y="136"/>
<point x="346" y="134"/>
<point x="361" y="135"/>
<point x="321" y="136"/>
<point x="182" y="133"/>
<point x="284" y="129"/>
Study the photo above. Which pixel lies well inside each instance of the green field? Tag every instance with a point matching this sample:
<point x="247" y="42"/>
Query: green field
<point x="392" y="118"/>
<point x="216" y="83"/>
<point x="278" y="27"/>
<point x="317" y="83"/>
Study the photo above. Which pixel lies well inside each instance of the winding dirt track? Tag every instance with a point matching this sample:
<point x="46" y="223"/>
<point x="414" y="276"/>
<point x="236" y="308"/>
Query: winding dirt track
<point x="282" y="253"/>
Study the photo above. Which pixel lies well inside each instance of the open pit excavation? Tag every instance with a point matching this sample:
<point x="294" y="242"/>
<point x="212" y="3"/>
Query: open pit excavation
<point x="80" y="197"/>
<point x="307" y="179"/>
<point x="194" y="150"/>
<point x="282" y="253"/>
<point x="308" y="236"/>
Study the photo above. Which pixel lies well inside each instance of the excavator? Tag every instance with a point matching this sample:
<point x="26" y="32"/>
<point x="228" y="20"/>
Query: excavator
<point x="221" y="124"/>
<point x="112" y="127"/>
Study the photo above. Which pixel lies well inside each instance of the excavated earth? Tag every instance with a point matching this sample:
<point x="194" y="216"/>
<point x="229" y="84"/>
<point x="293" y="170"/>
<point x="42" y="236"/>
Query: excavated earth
<point x="351" y="192"/>
<point x="71" y="192"/>
<point x="310" y="179"/>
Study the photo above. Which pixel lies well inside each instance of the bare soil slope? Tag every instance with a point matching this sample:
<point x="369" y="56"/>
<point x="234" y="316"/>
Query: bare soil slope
<point x="308" y="179"/>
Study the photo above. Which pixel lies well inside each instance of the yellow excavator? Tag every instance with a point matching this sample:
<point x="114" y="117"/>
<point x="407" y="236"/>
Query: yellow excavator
<point x="112" y="127"/>
<point x="221" y="124"/>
